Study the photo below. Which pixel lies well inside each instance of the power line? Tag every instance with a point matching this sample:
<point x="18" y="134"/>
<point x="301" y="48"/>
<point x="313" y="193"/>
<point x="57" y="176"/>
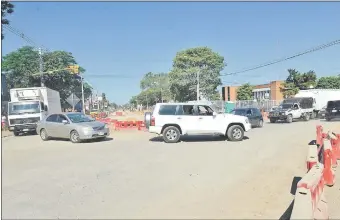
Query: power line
<point x="321" y="47"/>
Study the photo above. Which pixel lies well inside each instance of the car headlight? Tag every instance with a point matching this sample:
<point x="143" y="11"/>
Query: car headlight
<point x="87" y="129"/>
<point x="247" y="121"/>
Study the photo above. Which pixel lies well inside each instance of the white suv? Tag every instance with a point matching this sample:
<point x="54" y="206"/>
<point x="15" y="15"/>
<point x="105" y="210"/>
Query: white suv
<point x="175" y="119"/>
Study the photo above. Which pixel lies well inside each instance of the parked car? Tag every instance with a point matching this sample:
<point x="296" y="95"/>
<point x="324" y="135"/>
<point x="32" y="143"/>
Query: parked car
<point x="332" y="110"/>
<point x="254" y="115"/>
<point x="171" y="120"/>
<point x="72" y="125"/>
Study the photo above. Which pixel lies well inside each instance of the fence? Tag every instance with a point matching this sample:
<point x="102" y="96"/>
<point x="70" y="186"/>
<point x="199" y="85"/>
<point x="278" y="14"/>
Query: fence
<point x="310" y="201"/>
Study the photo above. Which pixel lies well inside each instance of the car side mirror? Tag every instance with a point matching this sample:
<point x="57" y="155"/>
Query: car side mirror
<point x="64" y="122"/>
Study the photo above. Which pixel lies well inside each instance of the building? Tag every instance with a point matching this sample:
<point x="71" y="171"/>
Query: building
<point x="270" y="91"/>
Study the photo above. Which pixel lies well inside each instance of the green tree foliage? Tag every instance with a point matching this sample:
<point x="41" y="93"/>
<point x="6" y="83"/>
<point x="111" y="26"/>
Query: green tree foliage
<point x="245" y="92"/>
<point x="329" y="82"/>
<point x="157" y="83"/>
<point x="22" y="70"/>
<point x="186" y="65"/>
<point x="6" y="8"/>
<point x="296" y="81"/>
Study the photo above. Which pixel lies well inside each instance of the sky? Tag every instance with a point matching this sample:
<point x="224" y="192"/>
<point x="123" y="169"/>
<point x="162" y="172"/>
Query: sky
<point x="132" y="38"/>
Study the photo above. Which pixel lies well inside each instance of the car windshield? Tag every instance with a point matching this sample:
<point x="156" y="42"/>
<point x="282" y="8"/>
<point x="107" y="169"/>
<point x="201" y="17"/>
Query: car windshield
<point x="79" y="118"/>
<point x="239" y="112"/>
<point x="15" y="108"/>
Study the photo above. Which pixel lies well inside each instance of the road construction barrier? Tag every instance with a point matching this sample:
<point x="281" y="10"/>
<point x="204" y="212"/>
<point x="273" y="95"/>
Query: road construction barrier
<point x="310" y="202"/>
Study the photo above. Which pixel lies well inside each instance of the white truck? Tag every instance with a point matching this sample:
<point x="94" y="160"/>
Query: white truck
<point x="293" y="108"/>
<point x="320" y="96"/>
<point x="30" y="105"/>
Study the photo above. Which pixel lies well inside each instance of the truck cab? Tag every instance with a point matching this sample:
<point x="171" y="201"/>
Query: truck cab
<point x="28" y="106"/>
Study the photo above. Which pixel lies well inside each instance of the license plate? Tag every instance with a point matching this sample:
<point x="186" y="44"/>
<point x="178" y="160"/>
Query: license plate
<point x="25" y="129"/>
<point x="334" y="110"/>
<point x="100" y="133"/>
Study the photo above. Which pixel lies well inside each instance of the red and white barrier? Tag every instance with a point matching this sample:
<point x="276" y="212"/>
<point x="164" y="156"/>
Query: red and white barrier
<point x="310" y="201"/>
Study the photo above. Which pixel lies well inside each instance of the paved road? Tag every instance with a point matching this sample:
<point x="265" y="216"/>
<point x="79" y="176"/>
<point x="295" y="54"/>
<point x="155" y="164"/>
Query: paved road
<point x="133" y="177"/>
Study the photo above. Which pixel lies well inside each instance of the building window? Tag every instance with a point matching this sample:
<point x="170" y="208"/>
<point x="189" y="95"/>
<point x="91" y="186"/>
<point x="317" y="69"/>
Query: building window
<point x="228" y="93"/>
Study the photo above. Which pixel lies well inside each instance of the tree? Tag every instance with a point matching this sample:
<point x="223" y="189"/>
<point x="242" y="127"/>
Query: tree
<point x="329" y="82"/>
<point x="296" y="81"/>
<point x="245" y="92"/>
<point x="186" y="65"/>
<point x="6" y="8"/>
<point x="157" y="83"/>
<point x="22" y="70"/>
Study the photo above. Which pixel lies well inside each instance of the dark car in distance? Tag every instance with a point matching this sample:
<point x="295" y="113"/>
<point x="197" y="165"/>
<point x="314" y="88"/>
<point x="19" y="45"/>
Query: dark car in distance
<point x="254" y="115"/>
<point x="332" y="110"/>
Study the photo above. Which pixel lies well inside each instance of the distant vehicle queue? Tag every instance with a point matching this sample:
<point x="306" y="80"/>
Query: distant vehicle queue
<point x="37" y="110"/>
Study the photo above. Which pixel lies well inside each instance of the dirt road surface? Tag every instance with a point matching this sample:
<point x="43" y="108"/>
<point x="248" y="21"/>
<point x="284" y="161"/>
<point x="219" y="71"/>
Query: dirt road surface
<point x="135" y="175"/>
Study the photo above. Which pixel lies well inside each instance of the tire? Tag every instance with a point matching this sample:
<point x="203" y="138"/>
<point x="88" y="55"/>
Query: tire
<point x="328" y="119"/>
<point x="260" y="125"/>
<point x="16" y="133"/>
<point x="314" y="115"/>
<point x="43" y="135"/>
<point x="102" y="139"/>
<point x="289" y="119"/>
<point x="307" y="117"/>
<point x="74" y="137"/>
<point x="272" y="120"/>
<point x="33" y="133"/>
<point x="235" y="133"/>
<point x="171" y="134"/>
<point x="147" y="119"/>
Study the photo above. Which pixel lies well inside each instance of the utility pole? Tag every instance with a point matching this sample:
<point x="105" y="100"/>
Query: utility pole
<point x="41" y="68"/>
<point x="82" y="93"/>
<point x="198" y="85"/>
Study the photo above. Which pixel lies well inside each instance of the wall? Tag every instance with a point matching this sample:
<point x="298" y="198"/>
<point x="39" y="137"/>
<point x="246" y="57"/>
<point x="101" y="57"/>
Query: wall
<point x="275" y="91"/>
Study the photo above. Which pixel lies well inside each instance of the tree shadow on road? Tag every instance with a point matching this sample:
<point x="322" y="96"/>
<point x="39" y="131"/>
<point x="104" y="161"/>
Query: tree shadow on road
<point x="287" y="214"/>
<point x="196" y="138"/>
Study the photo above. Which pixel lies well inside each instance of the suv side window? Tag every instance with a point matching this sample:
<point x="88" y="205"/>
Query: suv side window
<point x="186" y="110"/>
<point x="204" y="110"/>
<point x="167" y="110"/>
<point x="333" y="104"/>
<point x="52" y="118"/>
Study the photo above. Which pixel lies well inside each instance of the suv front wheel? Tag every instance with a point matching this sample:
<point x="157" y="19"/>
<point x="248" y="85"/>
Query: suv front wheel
<point x="235" y="133"/>
<point x="171" y="134"/>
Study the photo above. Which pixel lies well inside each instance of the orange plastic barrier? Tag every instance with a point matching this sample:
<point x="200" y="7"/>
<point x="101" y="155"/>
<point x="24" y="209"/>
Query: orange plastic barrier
<point x="310" y="201"/>
<point x="119" y="113"/>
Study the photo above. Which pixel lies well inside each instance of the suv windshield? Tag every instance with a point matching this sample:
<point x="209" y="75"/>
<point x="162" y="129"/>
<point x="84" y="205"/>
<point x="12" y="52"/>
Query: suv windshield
<point x="15" y="108"/>
<point x="79" y="118"/>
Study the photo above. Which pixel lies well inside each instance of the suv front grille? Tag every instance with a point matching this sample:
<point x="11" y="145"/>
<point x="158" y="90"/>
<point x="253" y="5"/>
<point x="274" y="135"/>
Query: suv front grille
<point x="21" y="121"/>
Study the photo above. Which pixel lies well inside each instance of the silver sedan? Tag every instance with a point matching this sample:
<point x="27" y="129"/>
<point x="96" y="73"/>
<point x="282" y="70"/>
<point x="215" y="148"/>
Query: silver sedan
<point x="74" y="126"/>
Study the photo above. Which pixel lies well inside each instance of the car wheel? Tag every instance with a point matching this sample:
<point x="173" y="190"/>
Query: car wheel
<point x="102" y="139"/>
<point x="33" y="133"/>
<point x="74" y="137"/>
<point x="328" y="119"/>
<point x="260" y="125"/>
<point x="272" y="120"/>
<point x="16" y="133"/>
<point x="43" y="135"/>
<point x="171" y="134"/>
<point x="235" y="133"/>
<point x="314" y="115"/>
<point x="289" y="119"/>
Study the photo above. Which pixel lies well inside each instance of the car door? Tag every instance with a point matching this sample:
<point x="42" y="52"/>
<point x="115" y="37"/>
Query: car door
<point x="251" y="116"/>
<point x="63" y="130"/>
<point x="50" y="125"/>
<point x="187" y="119"/>
<point x="206" y="122"/>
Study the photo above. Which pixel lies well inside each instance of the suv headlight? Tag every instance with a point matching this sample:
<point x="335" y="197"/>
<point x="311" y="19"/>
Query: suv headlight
<point x="247" y="121"/>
